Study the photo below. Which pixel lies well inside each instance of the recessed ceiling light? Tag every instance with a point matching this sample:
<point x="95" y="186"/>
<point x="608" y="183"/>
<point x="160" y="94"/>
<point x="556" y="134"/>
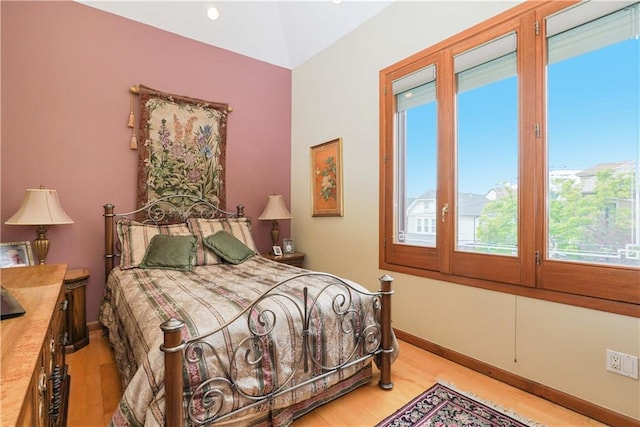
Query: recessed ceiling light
<point x="336" y="1"/>
<point x="213" y="13"/>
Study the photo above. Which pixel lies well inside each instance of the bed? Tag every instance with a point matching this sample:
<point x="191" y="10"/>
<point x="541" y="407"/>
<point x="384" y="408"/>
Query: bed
<point x="207" y="331"/>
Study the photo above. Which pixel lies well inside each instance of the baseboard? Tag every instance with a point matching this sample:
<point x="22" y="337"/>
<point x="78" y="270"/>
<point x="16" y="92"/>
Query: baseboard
<point x="94" y="326"/>
<point x="70" y="348"/>
<point x="576" y="404"/>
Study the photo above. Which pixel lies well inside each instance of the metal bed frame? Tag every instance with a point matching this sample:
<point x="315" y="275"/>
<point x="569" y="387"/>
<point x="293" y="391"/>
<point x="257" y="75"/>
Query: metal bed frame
<point x="206" y="404"/>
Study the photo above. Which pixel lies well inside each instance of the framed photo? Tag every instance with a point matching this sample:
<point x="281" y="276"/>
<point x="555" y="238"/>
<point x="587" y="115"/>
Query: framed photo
<point x="15" y="254"/>
<point x="277" y="251"/>
<point x="326" y="178"/>
<point x="287" y="246"/>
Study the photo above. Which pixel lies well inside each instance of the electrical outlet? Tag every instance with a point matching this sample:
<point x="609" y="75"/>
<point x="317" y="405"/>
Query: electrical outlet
<point x="614" y="361"/>
<point x="623" y="364"/>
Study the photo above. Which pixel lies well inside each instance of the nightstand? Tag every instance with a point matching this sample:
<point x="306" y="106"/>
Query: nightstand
<point x="296" y="258"/>
<point x="75" y="284"/>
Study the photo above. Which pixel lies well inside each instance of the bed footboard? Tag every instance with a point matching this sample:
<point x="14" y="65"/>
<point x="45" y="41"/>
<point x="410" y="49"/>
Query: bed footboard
<point x="369" y="340"/>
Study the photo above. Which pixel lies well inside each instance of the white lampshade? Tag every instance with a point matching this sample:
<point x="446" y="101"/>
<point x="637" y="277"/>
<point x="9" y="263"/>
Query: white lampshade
<point x="40" y="207"/>
<point x="275" y="209"/>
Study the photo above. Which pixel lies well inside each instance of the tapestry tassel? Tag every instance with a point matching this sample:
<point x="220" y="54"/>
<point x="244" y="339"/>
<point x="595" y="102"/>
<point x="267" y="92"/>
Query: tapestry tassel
<point x="132" y="118"/>
<point x="134" y="141"/>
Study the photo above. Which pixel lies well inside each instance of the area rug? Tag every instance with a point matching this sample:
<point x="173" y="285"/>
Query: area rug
<point x="444" y="407"/>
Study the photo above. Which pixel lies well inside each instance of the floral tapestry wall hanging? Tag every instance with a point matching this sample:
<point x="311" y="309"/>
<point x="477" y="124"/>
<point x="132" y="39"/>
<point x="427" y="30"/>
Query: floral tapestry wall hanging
<point x="182" y="149"/>
<point x="326" y="178"/>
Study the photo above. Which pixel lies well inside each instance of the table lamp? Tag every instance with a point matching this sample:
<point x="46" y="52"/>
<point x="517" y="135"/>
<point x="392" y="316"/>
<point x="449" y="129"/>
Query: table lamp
<point x="273" y="211"/>
<point x="40" y="207"/>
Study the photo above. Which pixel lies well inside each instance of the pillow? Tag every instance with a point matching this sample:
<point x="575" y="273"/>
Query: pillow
<point x="135" y="237"/>
<point x="228" y="247"/>
<point x="240" y="228"/>
<point x="170" y="252"/>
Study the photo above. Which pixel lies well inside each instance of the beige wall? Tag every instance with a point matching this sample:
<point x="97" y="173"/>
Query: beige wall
<point x="335" y="94"/>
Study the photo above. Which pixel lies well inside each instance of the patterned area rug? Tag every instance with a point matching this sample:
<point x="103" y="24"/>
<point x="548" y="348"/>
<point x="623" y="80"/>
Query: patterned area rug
<point x="440" y="406"/>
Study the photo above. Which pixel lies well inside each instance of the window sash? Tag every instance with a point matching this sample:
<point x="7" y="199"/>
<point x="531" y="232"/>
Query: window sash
<point x="585" y="32"/>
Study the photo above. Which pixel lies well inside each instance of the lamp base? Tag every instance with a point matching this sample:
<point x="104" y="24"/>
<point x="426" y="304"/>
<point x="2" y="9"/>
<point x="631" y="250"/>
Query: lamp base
<point x="275" y="232"/>
<point x="41" y="244"/>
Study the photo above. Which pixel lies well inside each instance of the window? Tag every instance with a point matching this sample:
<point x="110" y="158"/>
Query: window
<point x="487" y="148"/>
<point x="512" y="156"/>
<point x="415" y="96"/>
<point x="593" y="138"/>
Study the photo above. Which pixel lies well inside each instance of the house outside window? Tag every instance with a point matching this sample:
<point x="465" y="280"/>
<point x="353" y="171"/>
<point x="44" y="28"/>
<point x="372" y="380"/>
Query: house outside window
<point x="421" y="212"/>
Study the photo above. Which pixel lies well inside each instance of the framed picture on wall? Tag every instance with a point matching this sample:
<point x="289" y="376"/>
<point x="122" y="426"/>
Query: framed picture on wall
<point x="287" y="246"/>
<point x="326" y="178"/>
<point x="15" y="254"/>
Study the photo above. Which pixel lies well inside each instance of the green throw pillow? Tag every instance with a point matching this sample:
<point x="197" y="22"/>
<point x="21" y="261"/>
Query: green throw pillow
<point x="170" y="252"/>
<point x="228" y="247"/>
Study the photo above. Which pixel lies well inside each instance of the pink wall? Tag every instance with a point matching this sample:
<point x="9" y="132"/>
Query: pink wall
<point x="66" y="70"/>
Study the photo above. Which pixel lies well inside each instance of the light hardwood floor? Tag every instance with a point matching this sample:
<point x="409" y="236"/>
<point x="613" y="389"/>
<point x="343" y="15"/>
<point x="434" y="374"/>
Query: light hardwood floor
<point x="95" y="391"/>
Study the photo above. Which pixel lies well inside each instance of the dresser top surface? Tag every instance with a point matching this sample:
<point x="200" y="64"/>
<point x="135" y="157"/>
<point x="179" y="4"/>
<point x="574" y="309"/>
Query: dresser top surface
<point x="21" y="338"/>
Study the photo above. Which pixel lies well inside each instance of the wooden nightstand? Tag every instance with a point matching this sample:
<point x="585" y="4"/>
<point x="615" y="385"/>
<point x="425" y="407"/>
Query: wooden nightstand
<point x="296" y="258"/>
<point x="75" y="284"/>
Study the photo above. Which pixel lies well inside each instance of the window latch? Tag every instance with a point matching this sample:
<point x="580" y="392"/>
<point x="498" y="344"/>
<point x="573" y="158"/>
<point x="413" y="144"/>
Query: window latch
<point x="445" y="209"/>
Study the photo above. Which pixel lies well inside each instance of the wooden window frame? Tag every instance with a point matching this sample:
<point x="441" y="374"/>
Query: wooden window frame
<point x="529" y="274"/>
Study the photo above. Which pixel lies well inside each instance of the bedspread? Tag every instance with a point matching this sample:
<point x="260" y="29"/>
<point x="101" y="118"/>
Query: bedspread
<point x="137" y="301"/>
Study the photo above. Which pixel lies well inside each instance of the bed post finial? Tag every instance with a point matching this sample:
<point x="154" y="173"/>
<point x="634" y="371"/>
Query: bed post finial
<point x="172" y="349"/>
<point x="385" y="357"/>
<point x="240" y="211"/>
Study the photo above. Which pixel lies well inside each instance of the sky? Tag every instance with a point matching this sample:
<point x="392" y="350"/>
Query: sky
<point x="593" y="117"/>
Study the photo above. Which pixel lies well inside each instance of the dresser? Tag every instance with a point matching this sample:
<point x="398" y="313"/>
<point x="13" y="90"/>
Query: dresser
<point x="34" y="384"/>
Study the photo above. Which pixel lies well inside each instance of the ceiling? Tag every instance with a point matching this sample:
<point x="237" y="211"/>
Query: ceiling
<point x="283" y="33"/>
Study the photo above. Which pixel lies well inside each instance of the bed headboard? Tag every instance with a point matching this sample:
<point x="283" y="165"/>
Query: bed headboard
<point x="165" y="210"/>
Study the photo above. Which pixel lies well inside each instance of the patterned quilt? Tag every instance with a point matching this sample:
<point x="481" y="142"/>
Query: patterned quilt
<point x="138" y="300"/>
